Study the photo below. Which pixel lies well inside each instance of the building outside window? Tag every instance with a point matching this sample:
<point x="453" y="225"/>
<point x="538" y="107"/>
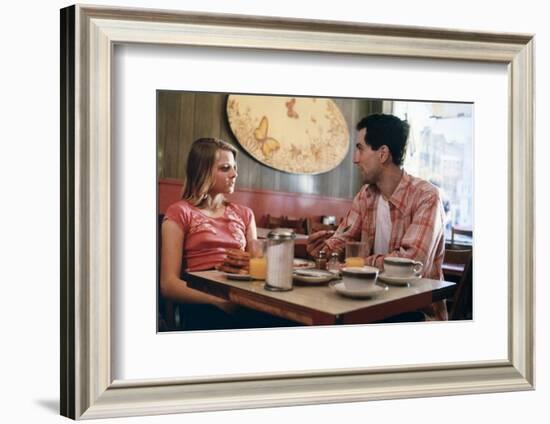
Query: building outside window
<point x="441" y="151"/>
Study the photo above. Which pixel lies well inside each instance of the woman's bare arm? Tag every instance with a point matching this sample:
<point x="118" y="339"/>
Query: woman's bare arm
<point x="171" y="285"/>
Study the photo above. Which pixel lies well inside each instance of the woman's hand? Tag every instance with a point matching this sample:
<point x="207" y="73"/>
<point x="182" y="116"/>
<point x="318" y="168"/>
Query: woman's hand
<point x="236" y="262"/>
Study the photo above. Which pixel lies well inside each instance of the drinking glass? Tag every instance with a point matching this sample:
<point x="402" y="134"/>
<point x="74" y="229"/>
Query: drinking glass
<point x="355" y="253"/>
<point x="258" y="259"/>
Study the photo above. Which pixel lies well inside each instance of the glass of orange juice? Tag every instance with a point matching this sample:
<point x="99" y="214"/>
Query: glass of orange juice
<point x="258" y="259"/>
<point x="355" y="253"/>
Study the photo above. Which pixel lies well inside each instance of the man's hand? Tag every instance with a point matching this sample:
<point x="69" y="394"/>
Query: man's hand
<point x="316" y="242"/>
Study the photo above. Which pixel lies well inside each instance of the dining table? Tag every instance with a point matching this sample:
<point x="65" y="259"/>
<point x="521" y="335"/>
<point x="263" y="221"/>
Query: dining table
<point x="320" y="304"/>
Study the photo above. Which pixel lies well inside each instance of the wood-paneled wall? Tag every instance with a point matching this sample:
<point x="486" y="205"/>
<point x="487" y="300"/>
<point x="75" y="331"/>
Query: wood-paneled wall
<point x="183" y="117"/>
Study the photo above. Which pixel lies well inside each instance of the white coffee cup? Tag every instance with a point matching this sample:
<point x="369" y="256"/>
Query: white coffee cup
<point x="402" y="267"/>
<point x="357" y="278"/>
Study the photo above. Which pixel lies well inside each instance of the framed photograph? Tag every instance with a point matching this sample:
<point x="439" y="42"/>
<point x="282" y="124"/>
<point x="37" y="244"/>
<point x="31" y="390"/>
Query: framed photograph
<point x="295" y="159"/>
<point x="114" y="62"/>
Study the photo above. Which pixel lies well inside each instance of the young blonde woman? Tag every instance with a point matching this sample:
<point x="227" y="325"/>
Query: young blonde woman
<point x="199" y="229"/>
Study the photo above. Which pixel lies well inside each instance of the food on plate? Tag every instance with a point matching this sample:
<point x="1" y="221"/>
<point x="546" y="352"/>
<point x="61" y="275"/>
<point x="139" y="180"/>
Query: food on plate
<point x="232" y="270"/>
<point x="302" y="263"/>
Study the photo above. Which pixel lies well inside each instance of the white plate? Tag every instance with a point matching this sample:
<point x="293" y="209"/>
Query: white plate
<point x="240" y="277"/>
<point x="370" y="290"/>
<point x="313" y="276"/>
<point x="399" y="281"/>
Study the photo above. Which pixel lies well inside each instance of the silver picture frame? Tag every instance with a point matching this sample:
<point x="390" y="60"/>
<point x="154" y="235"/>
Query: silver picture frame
<point x="88" y="389"/>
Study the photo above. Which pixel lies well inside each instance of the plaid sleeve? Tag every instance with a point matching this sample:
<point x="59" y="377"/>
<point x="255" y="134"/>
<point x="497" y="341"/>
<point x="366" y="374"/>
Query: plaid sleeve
<point x="352" y="224"/>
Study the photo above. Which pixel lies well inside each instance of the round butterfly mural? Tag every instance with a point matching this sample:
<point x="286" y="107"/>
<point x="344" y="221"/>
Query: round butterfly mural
<point x="301" y="135"/>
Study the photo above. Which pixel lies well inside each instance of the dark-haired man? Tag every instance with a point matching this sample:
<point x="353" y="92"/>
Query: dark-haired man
<point x="395" y="213"/>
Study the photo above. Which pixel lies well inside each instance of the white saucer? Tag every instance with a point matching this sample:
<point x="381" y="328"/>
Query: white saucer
<point x="368" y="291"/>
<point x="239" y="277"/>
<point x="398" y="281"/>
<point x="312" y="276"/>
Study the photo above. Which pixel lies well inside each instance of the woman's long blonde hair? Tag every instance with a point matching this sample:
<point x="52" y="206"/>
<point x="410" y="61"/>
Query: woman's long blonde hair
<point x="199" y="177"/>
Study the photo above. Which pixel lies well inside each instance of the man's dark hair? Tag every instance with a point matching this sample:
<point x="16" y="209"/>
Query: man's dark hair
<point x="386" y="130"/>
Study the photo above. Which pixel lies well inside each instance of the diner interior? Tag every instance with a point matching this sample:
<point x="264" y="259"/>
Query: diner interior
<point x="310" y="201"/>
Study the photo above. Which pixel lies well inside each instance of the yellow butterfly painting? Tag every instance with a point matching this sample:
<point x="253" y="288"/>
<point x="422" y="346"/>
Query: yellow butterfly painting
<point x="298" y="135"/>
<point x="269" y="145"/>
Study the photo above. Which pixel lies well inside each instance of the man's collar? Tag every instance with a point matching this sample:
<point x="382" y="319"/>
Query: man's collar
<point x="398" y="197"/>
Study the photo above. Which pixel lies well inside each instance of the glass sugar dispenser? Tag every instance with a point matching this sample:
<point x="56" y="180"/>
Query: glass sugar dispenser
<point x="280" y="260"/>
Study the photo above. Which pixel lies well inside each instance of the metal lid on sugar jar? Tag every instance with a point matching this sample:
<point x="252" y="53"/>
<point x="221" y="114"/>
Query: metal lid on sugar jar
<point x="281" y="234"/>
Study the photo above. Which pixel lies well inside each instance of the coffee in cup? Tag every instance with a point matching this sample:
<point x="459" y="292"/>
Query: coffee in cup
<point x="402" y="267"/>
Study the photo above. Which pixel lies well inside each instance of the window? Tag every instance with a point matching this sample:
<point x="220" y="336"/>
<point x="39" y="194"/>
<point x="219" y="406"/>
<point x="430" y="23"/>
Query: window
<point x="440" y="150"/>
